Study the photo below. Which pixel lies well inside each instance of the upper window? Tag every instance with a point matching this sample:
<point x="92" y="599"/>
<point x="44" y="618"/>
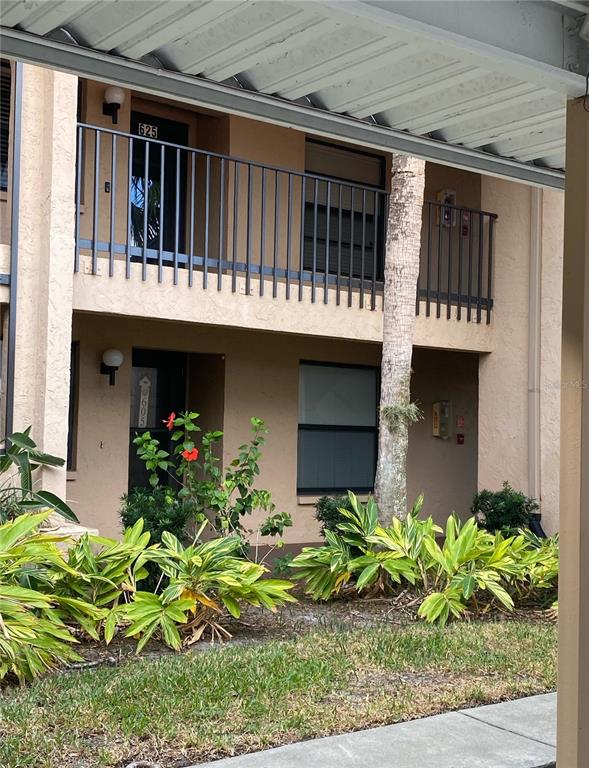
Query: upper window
<point x="344" y="221"/>
<point x="5" y="81"/>
<point x="337" y="428"/>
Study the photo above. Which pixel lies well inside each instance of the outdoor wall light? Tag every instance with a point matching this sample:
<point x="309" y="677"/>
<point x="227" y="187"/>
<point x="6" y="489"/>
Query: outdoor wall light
<point x="114" y="98"/>
<point x="112" y="359"/>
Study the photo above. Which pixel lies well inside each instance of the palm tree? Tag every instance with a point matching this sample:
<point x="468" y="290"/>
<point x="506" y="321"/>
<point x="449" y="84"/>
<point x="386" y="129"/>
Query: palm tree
<point x="400" y="281"/>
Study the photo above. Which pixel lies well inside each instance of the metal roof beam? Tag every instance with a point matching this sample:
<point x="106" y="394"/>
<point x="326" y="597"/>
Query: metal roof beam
<point x="204" y="93"/>
<point x="499" y="36"/>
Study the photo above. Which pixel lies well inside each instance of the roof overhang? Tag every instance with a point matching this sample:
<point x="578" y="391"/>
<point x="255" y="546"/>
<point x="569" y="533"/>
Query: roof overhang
<point x="477" y="85"/>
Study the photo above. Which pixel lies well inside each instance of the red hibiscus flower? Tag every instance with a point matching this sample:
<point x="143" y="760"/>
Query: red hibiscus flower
<point x="169" y="422"/>
<point x="190" y="455"/>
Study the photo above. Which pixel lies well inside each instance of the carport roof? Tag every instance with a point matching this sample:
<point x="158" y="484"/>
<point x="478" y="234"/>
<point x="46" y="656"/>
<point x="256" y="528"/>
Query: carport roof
<point x="479" y="85"/>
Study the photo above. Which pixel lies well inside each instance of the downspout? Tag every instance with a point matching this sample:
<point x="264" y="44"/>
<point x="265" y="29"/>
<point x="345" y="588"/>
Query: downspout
<point x="14" y="232"/>
<point x="534" y="345"/>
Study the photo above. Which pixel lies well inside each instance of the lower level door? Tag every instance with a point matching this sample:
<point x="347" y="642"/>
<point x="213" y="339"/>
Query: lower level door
<point x="158" y="387"/>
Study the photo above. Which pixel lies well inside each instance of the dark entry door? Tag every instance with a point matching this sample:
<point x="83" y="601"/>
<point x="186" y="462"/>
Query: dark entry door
<point x="158" y="387"/>
<point x="158" y="182"/>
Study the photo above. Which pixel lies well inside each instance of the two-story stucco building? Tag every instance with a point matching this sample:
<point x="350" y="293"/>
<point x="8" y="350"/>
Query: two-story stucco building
<point x="223" y="235"/>
<point x="236" y="265"/>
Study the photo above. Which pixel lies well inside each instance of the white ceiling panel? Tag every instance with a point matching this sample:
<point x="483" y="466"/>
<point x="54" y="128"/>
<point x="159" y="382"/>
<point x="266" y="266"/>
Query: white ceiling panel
<point x="480" y="79"/>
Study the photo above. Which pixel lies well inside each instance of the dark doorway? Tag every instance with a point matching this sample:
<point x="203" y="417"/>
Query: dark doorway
<point x="158" y="387"/>
<point x="158" y="183"/>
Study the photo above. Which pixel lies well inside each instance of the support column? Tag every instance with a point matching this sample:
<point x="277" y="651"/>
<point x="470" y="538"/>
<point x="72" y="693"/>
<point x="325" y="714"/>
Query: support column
<point x="45" y="262"/>
<point x="573" y="672"/>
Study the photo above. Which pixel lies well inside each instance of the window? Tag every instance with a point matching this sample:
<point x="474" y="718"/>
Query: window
<point x="359" y="245"/>
<point x="4" y="122"/>
<point x="337" y="428"/>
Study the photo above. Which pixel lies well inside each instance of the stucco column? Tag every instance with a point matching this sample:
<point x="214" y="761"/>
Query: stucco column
<point x="573" y="672"/>
<point x="46" y="258"/>
<point x="503" y="374"/>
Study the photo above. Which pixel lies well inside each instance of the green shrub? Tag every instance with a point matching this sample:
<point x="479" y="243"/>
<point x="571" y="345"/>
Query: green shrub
<point x="328" y="511"/>
<point x="161" y="510"/>
<point x="470" y="567"/>
<point x="18" y="493"/>
<point x="506" y="510"/>
<point x="97" y="587"/>
<point x="219" y="497"/>
<point x="33" y="635"/>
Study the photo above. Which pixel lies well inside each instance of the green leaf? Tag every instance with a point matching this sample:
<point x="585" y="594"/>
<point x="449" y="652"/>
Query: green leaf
<point x="58" y="504"/>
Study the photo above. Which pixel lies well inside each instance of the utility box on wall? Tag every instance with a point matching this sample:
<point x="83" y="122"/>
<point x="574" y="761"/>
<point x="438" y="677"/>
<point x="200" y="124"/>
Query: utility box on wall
<point x="442" y="419"/>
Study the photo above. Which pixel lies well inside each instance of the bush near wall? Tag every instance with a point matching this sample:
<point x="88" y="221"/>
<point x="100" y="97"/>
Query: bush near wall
<point x="470" y="571"/>
<point x="506" y="510"/>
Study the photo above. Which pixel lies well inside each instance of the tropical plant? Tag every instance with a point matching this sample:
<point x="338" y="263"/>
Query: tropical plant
<point x="222" y="498"/>
<point x="203" y="578"/>
<point x="401" y="270"/>
<point x="470" y="570"/>
<point x="18" y="493"/>
<point x="33" y="636"/>
<point x="104" y="573"/>
<point x="506" y="510"/>
<point x="161" y="510"/>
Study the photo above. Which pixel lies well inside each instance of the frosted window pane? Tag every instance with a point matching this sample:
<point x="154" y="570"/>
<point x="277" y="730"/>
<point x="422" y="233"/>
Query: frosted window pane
<point x="337" y="396"/>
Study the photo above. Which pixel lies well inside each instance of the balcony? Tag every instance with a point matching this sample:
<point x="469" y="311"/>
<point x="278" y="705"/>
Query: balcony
<point x="215" y="221"/>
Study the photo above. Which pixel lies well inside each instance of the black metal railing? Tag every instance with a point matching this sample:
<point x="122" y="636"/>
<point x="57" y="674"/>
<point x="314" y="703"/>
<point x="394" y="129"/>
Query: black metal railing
<point x="456" y="267"/>
<point x="199" y="215"/>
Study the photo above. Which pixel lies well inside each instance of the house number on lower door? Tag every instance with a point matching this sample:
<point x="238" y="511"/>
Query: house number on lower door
<point x="148" y="130"/>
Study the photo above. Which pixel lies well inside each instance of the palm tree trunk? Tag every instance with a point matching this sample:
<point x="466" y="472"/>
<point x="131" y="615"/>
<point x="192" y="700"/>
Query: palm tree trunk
<point x="400" y="281"/>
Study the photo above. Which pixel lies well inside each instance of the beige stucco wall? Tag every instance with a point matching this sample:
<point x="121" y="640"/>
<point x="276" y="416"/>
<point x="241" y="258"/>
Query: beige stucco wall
<point x="261" y="379"/>
<point x="503" y="380"/>
<point x="46" y="251"/>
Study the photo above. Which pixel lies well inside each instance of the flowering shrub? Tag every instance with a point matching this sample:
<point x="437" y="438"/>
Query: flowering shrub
<point x="220" y="497"/>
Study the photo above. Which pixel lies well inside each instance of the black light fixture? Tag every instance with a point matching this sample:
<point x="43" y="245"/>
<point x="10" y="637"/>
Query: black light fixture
<point x="114" y="98"/>
<point x="112" y="359"/>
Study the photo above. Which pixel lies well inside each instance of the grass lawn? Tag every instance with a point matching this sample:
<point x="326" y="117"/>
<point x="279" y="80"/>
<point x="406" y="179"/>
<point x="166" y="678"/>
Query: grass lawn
<point x="180" y="709"/>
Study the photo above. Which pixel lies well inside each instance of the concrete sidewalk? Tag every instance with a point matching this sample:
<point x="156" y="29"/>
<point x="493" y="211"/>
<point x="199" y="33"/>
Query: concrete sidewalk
<point x="514" y="734"/>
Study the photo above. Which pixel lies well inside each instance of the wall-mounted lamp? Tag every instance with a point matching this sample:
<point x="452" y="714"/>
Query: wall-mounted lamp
<point x="114" y="98"/>
<point x="112" y="359"/>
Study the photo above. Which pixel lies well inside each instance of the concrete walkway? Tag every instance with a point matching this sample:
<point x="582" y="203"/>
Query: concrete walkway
<point x="514" y="734"/>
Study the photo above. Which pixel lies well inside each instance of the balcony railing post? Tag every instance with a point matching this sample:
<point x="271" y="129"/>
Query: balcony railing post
<point x="145" y="213"/>
<point x="376" y="206"/>
<point x="221" y="224"/>
<point x="288" y="238"/>
<point x="79" y="150"/>
<point x="352" y="221"/>
<point x="490" y="269"/>
<point x="129" y="211"/>
<point x="192" y="201"/>
<point x="327" y="244"/>
<point x="95" y="217"/>
<point x="302" y="242"/>
<point x="263" y="232"/>
<point x="276" y="233"/>
<point x="480" y="267"/>
<point x="113" y="195"/>
<point x="469" y="286"/>
<point x="339" y="246"/>
<point x="177" y="217"/>
<point x="205" y="268"/>
<point x="235" y="224"/>
<point x="460" y="239"/>
<point x="449" y="297"/>
<point x="160" y="255"/>
<point x="429" y="261"/>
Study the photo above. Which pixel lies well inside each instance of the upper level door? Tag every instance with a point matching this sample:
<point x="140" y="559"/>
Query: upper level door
<point x="158" y="183"/>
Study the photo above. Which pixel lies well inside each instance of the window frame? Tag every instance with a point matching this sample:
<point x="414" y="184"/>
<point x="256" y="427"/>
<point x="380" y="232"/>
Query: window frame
<point x="324" y="490"/>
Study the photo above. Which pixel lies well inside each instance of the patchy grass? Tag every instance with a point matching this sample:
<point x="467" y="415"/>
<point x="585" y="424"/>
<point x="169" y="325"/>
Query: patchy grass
<point x="201" y="705"/>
